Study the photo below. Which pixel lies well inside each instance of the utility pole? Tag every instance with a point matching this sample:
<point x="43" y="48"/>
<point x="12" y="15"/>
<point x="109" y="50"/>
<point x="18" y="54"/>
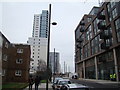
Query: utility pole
<point x="48" y="47"/>
<point x="64" y="66"/>
<point x="54" y="66"/>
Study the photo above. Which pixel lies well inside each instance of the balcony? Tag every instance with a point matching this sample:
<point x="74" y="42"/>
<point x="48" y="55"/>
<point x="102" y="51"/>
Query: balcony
<point x="105" y="35"/>
<point x="78" y="46"/>
<point x="101" y="17"/>
<point x="101" y="59"/>
<point x="82" y="29"/>
<point x="101" y="26"/>
<point x="82" y="23"/>
<point x="79" y="40"/>
<point x="105" y="45"/>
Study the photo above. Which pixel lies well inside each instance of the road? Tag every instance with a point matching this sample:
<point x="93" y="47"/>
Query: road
<point x="94" y="85"/>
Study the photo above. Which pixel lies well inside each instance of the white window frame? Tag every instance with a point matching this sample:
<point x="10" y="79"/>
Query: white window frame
<point x="6" y="44"/>
<point x="5" y="57"/>
<point x="19" y="61"/>
<point x="19" y="50"/>
<point x="18" y="73"/>
<point x="3" y="72"/>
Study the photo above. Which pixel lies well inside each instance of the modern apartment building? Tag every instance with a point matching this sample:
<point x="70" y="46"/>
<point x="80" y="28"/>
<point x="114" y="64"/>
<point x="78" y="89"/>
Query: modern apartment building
<point x="39" y="41"/>
<point x="97" y="43"/>
<point x="54" y="62"/>
<point x="1" y="40"/>
<point x="15" y="61"/>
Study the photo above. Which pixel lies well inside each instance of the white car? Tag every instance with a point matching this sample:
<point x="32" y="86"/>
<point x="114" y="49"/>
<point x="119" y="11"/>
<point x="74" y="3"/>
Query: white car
<point x="74" y="86"/>
<point x="61" y="83"/>
<point x="55" y="82"/>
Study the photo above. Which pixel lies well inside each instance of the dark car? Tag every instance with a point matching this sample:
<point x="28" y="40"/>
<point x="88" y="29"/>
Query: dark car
<point x="74" y="77"/>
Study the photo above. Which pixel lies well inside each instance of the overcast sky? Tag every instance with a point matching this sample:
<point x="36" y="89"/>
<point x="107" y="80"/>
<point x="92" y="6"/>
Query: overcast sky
<point x="16" y="23"/>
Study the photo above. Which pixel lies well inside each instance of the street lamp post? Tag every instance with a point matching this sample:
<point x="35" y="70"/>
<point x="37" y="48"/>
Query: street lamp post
<point x="48" y="48"/>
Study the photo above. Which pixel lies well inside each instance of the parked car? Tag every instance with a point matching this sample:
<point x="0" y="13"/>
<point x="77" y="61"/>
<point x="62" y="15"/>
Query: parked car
<point x="55" y="81"/>
<point x="74" y="77"/>
<point x="74" y="86"/>
<point x="61" y="83"/>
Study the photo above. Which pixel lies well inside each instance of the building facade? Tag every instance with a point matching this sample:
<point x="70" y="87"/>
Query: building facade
<point x="39" y="41"/>
<point x="54" y="62"/>
<point x="97" y="43"/>
<point x="1" y="59"/>
<point x="15" y="61"/>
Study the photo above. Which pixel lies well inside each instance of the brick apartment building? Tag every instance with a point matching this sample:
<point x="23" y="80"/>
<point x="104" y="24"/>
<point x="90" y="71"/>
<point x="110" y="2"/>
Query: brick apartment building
<point x="15" y="61"/>
<point x="97" y="43"/>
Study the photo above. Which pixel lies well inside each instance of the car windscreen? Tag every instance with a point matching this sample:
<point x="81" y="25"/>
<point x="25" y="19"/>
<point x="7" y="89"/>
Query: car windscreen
<point x="64" y="82"/>
<point x="79" y="89"/>
<point x="57" y="79"/>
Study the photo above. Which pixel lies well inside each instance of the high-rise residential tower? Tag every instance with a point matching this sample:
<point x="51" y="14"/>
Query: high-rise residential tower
<point x="38" y="41"/>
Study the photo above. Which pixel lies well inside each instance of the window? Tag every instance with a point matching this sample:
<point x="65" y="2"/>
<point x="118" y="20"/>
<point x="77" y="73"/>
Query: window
<point x="96" y="30"/>
<point x="19" y="50"/>
<point x="6" y="44"/>
<point x="81" y="54"/>
<point x="5" y="57"/>
<point x="3" y="72"/>
<point x="19" y="61"/>
<point x="86" y="51"/>
<point x="112" y="3"/>
<point x="89" y="19"/>
<point x="114" y="13"/>
<point x="117" y="26"/>
<point x="18" y="73"/>
<point x="89" y="33"/>
<point x="95" y="45"/>
<point x="1" y="41"/>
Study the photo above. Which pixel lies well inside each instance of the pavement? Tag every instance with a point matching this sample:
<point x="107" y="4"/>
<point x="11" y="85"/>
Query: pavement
<point x="41" y="86"/>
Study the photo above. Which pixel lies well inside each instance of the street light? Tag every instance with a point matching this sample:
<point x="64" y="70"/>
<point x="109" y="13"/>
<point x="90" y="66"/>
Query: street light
<point x="48" y="48"/>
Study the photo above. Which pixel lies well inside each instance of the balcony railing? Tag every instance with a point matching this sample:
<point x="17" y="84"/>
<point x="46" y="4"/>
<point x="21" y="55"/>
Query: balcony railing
<point x="101" y="59"/>
<point x="101" y="17"/>
<point x="101" y="26"/>
<point x="78" y="45"/>
<point x="79" y="40"/>
<point x="82" y="29"/>
<point x="105" y="35"/>
<point x="82" y="23"/>
<point x="105" y="45"/>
